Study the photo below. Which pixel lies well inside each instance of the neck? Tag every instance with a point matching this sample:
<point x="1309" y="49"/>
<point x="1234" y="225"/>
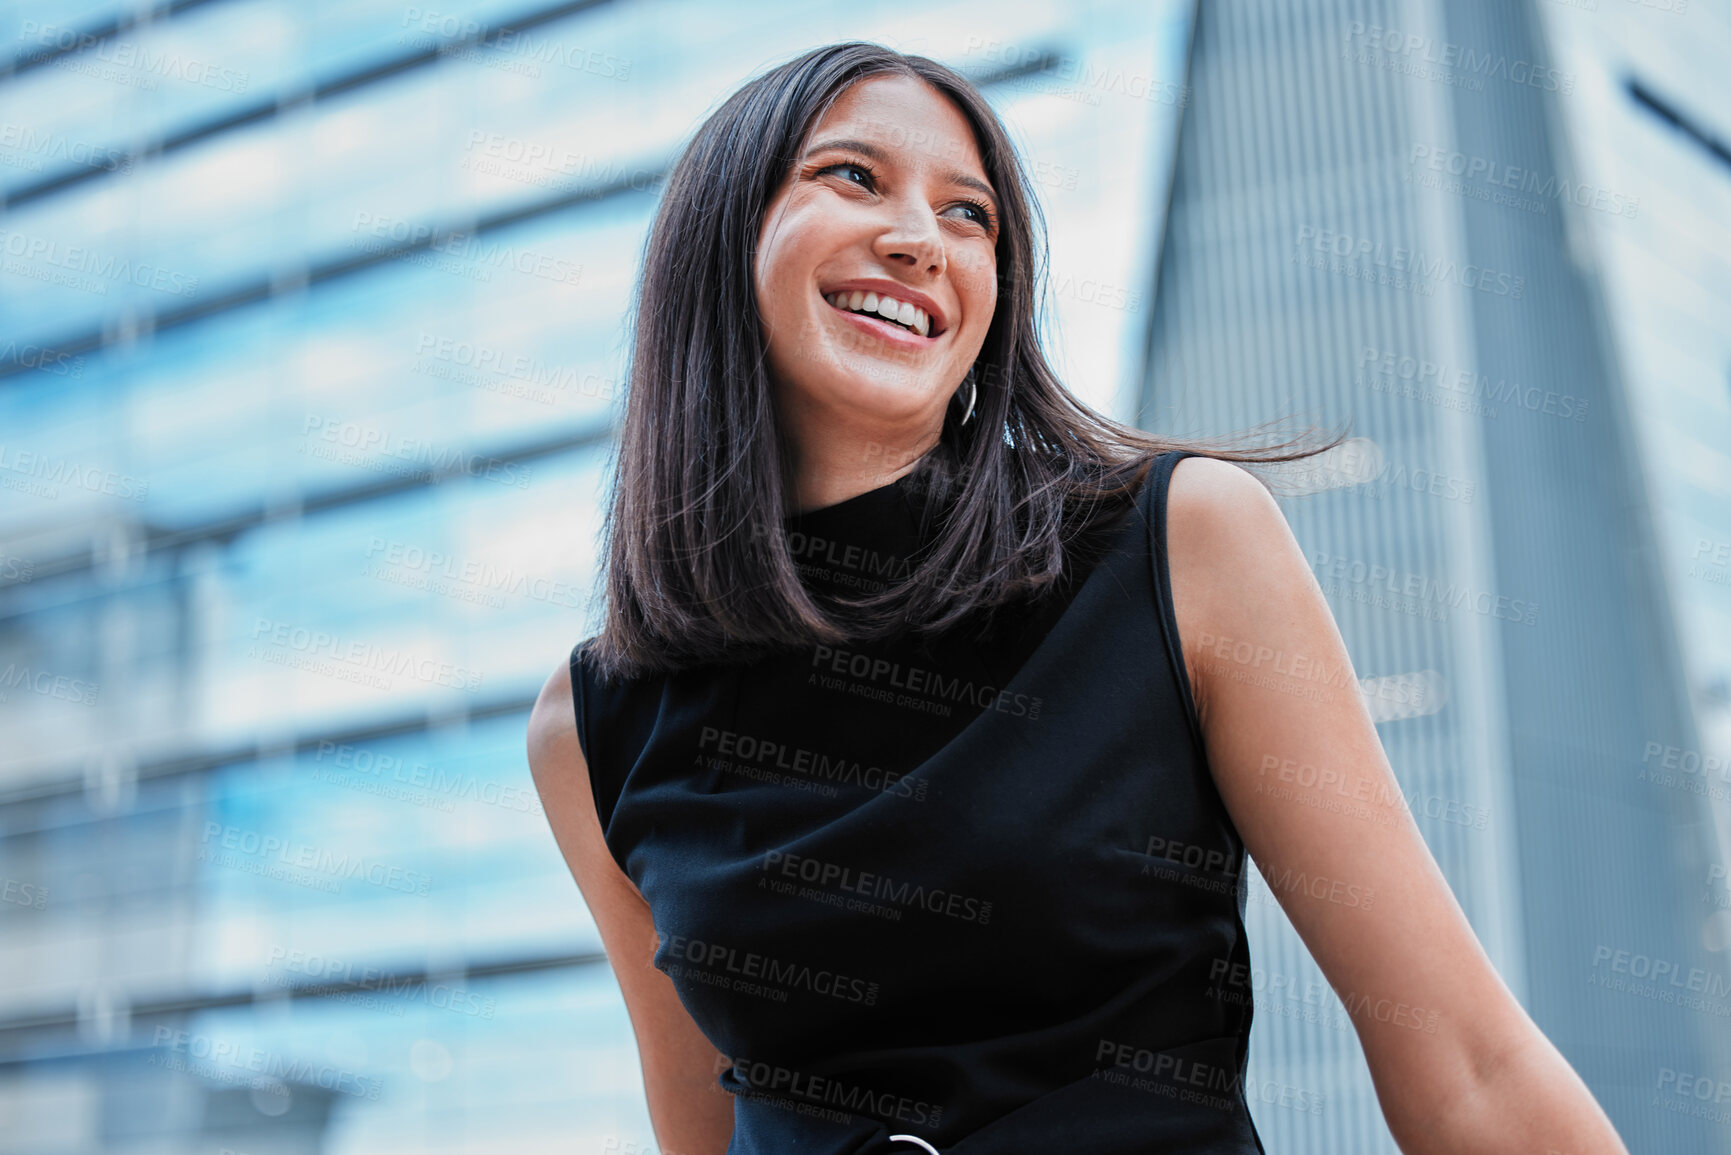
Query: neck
<point x="822" y="481"/>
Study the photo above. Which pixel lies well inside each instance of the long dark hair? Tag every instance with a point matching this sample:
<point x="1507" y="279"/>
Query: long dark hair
<point x="698" y="567"/>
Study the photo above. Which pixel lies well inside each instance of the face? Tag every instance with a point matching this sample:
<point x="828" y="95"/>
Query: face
<point x="887" y="210"/>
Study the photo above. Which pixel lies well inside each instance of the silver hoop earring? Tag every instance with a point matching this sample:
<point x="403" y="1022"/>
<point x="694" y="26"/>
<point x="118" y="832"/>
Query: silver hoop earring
<point x="973" y="395"/>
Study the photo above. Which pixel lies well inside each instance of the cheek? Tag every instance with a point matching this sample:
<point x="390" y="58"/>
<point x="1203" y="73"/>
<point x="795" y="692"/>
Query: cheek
<point x="977" y="282"/>
<point x="777" y="245"/>
<point x="766" y="266"/>
<point x="784" y="271"/>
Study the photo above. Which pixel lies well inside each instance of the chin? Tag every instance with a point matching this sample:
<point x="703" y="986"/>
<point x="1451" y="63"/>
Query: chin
<point x="887" y="392"/>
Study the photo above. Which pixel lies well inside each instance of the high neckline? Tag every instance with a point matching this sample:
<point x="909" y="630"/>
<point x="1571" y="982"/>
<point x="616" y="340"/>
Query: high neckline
<point x="861" y="544"/>
<point x="862" y="500"/>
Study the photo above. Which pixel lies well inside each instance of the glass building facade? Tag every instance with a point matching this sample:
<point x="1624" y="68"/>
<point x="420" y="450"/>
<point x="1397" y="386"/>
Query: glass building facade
<point x="312" y="324"/>
<point x="311" y="330"/>
<point x="1483" y="236"/>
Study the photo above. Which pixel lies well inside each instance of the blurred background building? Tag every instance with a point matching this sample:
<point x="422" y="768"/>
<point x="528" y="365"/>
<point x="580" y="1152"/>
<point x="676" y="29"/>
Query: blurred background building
<point x="311" y="328"/>
<point x="1492" y="237"/>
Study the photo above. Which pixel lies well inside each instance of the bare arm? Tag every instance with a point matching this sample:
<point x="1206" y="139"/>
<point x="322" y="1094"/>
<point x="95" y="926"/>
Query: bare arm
<point x="1457" y="1063"/>
<point x="690" y="1112"/>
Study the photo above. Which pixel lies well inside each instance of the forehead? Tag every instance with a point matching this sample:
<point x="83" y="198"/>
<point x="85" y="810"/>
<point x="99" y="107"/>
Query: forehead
<point x="905" y="115"/>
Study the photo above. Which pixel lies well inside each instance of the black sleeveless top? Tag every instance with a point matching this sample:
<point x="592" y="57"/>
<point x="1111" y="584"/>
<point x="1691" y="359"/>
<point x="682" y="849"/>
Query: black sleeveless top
<point x="981" y="891"/>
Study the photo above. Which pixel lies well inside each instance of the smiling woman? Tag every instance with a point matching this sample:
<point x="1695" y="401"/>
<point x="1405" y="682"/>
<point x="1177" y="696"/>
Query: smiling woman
<point x="876" y="280"/>
<point x="756" y="393"/>
<point x="914" y="777"/>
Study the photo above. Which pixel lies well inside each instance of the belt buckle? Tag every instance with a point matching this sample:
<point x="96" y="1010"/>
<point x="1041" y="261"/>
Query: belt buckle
<point x="915" y="1139"/>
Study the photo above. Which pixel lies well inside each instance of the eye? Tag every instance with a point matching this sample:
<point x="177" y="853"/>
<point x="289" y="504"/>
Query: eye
<point x="982" y="214"/>
<point x="851" y="167"/>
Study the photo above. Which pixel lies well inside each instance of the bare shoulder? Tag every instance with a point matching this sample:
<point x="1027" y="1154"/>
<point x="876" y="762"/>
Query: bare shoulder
<point x="1234" y="565"/>
<point x="561" y="776"/>
<point x="552" y="738"/>
<point x="1219" y="503"/>
<point x="679" y="1064"/>
<point x="559" y="770"/>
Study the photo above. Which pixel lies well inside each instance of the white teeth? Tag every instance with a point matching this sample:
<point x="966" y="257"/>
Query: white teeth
<point x="902" y="312"/>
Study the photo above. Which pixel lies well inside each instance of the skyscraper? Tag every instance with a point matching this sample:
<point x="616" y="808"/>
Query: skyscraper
<point x="1376" y="219"/>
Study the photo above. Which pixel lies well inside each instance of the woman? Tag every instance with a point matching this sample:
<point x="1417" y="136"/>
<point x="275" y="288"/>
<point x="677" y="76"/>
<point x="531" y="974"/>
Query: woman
<point x="911" y="778"/>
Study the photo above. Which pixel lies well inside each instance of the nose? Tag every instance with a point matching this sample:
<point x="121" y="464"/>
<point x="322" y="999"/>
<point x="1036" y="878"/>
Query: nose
<point x="914" y="240"/>
<point x="916" y="1140"/>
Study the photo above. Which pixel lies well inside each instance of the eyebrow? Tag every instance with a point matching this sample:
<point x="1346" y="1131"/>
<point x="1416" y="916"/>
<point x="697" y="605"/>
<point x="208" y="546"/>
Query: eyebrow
<point x="872" y="151"/>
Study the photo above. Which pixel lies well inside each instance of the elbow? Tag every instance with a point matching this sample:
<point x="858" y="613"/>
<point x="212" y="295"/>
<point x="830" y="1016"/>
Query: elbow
<point x="1516" y="1096"/>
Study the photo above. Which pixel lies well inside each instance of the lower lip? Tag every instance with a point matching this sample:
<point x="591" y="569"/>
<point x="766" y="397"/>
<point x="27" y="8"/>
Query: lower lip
<point x="891" y="334"/>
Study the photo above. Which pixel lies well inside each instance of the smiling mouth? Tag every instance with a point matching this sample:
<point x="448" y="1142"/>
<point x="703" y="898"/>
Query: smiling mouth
<point x="885" y="309"/>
